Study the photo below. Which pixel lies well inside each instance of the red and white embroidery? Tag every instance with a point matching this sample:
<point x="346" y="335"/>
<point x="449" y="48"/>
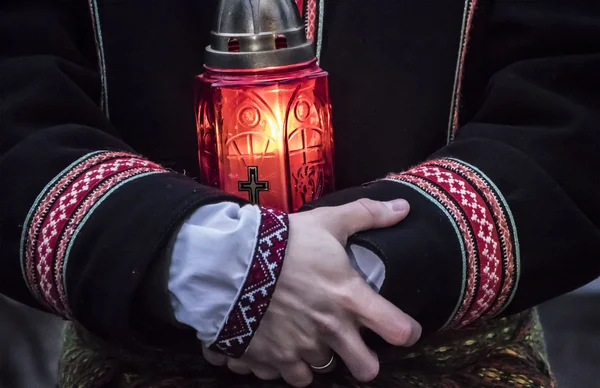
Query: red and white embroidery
<point x="311" y="16"/>
<point x="482" y="225"/>
<point x="60" y="212"/>
<point x="506" y="230"/>
<point x="473" y="202"/>
<point x="258" y="287"/>
<point x="311" y="19"/>
<point x="468" y="237"/>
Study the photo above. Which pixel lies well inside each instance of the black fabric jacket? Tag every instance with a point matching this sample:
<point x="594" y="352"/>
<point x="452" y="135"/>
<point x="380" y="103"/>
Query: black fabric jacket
<point x="504" y="217"/>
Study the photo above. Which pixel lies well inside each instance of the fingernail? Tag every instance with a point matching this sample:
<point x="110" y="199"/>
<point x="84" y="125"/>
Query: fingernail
<point x="398" y="205"/>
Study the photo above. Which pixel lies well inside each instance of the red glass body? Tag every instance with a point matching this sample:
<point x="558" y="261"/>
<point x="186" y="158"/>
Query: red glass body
<point x="266" y="135"/>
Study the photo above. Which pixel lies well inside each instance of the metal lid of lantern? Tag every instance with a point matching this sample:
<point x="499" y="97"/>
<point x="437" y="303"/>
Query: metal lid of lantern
<point x="253" y="34"/>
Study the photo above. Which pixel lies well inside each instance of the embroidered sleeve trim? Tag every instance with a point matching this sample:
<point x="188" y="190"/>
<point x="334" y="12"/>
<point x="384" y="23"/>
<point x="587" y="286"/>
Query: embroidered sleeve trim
<point x="59" y="213"/>
<point x="311" y="19"/>
<point x="258" y="288"/>
<point x="487" y="232"/>
<point x="308" y="10"/>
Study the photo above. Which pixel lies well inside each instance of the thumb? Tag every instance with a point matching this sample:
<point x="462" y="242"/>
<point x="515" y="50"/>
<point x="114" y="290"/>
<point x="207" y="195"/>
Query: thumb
<point x="365" y="214"/>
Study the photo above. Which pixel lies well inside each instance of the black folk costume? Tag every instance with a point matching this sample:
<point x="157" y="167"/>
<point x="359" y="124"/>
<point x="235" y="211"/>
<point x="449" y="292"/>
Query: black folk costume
<point x="504" y="194"/>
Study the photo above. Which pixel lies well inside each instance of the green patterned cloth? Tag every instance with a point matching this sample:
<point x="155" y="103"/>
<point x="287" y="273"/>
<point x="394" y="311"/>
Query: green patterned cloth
<point x="506" y="352"/>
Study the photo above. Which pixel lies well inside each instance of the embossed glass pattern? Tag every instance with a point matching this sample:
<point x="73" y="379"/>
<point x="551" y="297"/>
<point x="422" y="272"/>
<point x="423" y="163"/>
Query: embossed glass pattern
<point x="266" y="135"/>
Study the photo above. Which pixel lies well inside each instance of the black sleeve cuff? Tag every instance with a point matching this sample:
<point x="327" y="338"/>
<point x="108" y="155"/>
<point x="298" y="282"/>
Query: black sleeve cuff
<point x="455" y="259"/>
<point x="93" y="233"/>
<point x="422" y="254"/>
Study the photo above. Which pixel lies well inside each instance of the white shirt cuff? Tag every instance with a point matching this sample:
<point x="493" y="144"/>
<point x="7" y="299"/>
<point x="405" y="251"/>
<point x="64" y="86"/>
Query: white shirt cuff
<point x="210" y="260"/>
<point x="368" y="265"/>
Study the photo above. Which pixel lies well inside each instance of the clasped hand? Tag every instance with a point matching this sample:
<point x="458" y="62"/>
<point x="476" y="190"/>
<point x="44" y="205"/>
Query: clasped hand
<point x="321" y="302"/>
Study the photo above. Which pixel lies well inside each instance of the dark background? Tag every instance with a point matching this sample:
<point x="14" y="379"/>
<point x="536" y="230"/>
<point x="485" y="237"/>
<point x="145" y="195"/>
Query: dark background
<point x="572" y="327"/>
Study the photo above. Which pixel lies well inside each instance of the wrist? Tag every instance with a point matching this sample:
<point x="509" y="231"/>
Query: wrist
<point x="224" y="264"/>
<point x="257" y="291"/>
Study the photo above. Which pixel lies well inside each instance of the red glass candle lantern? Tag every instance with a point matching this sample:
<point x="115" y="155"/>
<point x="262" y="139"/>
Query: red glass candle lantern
<point x="262" y="107"/>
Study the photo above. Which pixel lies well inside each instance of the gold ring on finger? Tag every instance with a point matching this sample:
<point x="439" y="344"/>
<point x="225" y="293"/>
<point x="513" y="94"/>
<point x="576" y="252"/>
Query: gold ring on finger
<point x="322" y="367"/>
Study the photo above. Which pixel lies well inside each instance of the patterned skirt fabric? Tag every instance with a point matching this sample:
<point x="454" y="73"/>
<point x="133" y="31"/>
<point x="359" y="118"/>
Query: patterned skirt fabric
<point x="506" y="352"/>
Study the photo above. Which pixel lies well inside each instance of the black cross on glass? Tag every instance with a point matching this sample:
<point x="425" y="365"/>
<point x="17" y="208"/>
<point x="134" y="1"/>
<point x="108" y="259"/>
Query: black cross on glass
<point x="253" y="186"/>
